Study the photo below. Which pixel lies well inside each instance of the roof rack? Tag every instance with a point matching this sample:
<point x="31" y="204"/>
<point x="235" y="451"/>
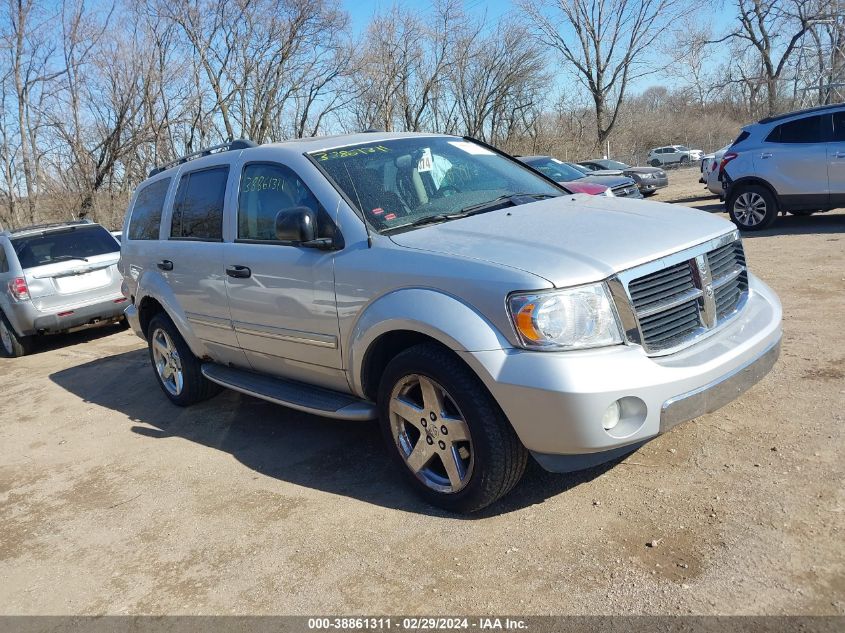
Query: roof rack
<point x="229" y="146"/>
<point x="786" y="115"/>
<point x="48" y="225"/>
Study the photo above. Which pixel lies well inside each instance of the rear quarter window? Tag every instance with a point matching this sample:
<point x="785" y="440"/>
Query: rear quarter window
<point x="4" y="261"/>
<point x="806" y="130"/>
<point x="145" y="220"/>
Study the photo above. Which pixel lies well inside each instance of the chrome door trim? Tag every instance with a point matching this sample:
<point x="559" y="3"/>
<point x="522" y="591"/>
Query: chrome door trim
<point x="281" y="334"/>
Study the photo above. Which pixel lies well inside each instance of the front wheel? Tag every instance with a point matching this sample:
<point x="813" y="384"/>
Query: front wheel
<point x="684" y="160"/>
<point x="12" y="345"/>
<point x="752" y="208"/>
<point x="654" y="162"/>
<point x="177" y="369"/>
<point x="445" y="432"/>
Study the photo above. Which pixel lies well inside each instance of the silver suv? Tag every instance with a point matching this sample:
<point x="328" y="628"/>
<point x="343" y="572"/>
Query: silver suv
<point x="476" y="308"/>
<point x="56" y="278"/>
<point x="789" y="163"/>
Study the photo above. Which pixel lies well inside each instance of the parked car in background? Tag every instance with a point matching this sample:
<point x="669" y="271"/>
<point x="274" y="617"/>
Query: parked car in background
<point x="792" y="163"/>
<point x="117" y="235"/>
<point x="56" y="278"/>
<point x="479" y="310"/>
<point x="564" y="175"/>
<point x="648" y="179"/>
<point x="710" y="171"/>
<point x="569" y="176"/>
<point x="673" y="155"/>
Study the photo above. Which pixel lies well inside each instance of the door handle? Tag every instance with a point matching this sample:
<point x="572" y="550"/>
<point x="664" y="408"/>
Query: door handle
<point x="165" y="264"/>
<point x="238" y="272"/>
<point x="766" y="155"/>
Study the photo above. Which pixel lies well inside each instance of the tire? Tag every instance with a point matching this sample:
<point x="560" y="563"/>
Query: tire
<point x="684" y="160"/>
<point x="12" y="345"/>
<point x="177" y="370"/>
<point x="485" y="465"/>
<point x="752" y="207"/>
<point x="654" y="162"/>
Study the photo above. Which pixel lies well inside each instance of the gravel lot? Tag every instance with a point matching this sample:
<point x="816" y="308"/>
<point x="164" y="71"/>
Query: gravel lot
<point x="113" y="501"/>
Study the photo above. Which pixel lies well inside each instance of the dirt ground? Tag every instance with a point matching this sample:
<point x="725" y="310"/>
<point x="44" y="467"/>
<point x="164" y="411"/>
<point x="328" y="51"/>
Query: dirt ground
<point x="113" y="501"/>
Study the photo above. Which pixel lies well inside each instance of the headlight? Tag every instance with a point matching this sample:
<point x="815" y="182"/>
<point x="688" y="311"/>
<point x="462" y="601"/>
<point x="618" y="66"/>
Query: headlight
<point x="574" y="318"/>
<point x="647" y="175"/>
<point x="609" y="193"/>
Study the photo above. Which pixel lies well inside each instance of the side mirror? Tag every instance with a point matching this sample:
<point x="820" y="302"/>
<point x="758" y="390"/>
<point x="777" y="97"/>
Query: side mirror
<point x="297" y="224"/>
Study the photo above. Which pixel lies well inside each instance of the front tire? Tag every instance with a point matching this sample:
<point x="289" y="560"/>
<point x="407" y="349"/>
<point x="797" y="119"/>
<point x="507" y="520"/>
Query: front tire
<point x="445" y="432"/>
<point x="654" y="162"/>
<point x="752" y="207"/>
<point x="12" y="345"/>
<point x="176" y="368"/>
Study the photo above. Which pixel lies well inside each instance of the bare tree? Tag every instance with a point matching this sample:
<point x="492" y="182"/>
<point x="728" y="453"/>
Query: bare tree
<point x="606" y="43"/>
<point x="773" y="30"/>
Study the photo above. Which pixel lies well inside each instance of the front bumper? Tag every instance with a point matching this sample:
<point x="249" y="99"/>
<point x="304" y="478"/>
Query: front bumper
<point x="28" y="320"/>
<point x="555" y="400"/>
<point x="653" y="184"/>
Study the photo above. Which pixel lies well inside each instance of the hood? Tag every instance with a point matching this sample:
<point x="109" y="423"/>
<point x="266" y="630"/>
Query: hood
<point x="608" y="181"/>
<point x="605" y="172"/>
<point x="643" y="170"/>
<point x="570" y="240"/>
<point x="584" y="185"/>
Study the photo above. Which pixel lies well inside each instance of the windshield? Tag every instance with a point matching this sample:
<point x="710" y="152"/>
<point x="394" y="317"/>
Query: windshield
<point x="613" y="164"/>
<point x="584" y="171"/>
<point x="555" y="169"/>
<point x="402" y="182"/>
<point x="77" y="243"/>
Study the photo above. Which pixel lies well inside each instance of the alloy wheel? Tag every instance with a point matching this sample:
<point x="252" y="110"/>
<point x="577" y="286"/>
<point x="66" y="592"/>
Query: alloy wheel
<point x="431" y="434"/>
<point x="167" y="362"/>
<point x="750" y="208"/>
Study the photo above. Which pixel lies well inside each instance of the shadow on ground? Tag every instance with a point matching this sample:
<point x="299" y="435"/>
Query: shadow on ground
<point x="51" y="342"/>
<point x="344" y="458"/>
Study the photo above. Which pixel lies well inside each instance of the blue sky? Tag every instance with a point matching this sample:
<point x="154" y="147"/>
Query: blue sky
<point x="719" y="14"/>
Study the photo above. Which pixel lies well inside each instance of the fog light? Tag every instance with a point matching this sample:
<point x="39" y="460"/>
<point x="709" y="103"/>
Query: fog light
<point x="611" y="416"/>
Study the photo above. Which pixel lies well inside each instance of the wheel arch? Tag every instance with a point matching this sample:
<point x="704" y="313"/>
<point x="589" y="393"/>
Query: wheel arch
<point x="746" y="181"/>
<point x="406" y="318"/>
<point x="154" y="296"/>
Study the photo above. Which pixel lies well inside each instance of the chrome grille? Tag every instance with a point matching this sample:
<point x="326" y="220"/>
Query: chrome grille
<point x="677" y="304"/>
<point x="625" y="191"/>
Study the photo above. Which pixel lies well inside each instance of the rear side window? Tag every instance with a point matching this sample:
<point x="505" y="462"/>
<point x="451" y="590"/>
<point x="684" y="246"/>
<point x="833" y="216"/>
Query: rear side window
<point x="4" y="262"/>
<point x="266" y="189"/>
<point x="146" y="214"/>
<point x="78" y="243"/>
<point x="806" y="130"/>
<point x="739" y="139"/>
<point x="839" y="126"/>
<point x="198" y="210"/>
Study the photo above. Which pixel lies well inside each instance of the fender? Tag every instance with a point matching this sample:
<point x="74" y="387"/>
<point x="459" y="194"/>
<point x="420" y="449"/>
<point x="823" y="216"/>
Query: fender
<point x="441" y="316"/>
<point x="153" y="285"/>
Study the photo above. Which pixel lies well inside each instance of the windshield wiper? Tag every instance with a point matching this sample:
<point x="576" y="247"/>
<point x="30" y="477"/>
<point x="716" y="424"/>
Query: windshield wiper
<point x="64" y="258"/>
<point x="482" y="207"/>
<point x="473" y="209"/>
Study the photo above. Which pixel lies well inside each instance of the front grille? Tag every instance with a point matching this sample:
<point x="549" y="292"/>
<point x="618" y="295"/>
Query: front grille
<point x="625" y="191"/>
<point x="677" y="304"/>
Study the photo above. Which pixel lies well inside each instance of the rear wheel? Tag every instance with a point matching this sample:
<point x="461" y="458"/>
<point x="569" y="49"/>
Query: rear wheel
<point x="12" y="345"/>
<point x="684" y="160"/>
<point x="654" y="162"/>
<point x="177" y="369"/>
<point x="445" y="432"/>
<point x="752" y="207"/>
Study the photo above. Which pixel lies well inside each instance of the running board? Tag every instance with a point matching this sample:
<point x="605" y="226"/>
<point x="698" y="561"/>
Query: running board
<point x="295" y="395"/>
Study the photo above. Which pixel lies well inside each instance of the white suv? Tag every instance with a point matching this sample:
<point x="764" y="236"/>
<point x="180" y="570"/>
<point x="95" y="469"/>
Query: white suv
<point x="671" y="154"/>
<point x="792" y="162"/>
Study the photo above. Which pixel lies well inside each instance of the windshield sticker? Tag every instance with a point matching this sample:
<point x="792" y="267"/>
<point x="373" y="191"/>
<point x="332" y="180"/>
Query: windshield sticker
<point x="349" y="153"/>
<point x="425" y="163"/>
<point x="471" y="148"/>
